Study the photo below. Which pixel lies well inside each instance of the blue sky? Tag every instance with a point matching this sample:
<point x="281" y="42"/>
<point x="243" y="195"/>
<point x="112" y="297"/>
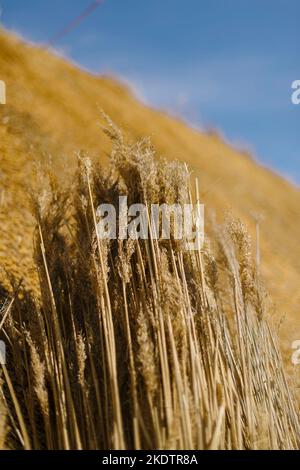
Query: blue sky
<point x="222" y="64"/>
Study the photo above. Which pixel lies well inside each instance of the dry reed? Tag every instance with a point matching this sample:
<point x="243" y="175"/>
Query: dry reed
<point x="139" y="344"/>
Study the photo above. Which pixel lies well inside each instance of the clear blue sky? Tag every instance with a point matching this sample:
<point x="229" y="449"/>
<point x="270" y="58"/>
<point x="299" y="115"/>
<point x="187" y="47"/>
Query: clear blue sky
<point x="225" y="64"/>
